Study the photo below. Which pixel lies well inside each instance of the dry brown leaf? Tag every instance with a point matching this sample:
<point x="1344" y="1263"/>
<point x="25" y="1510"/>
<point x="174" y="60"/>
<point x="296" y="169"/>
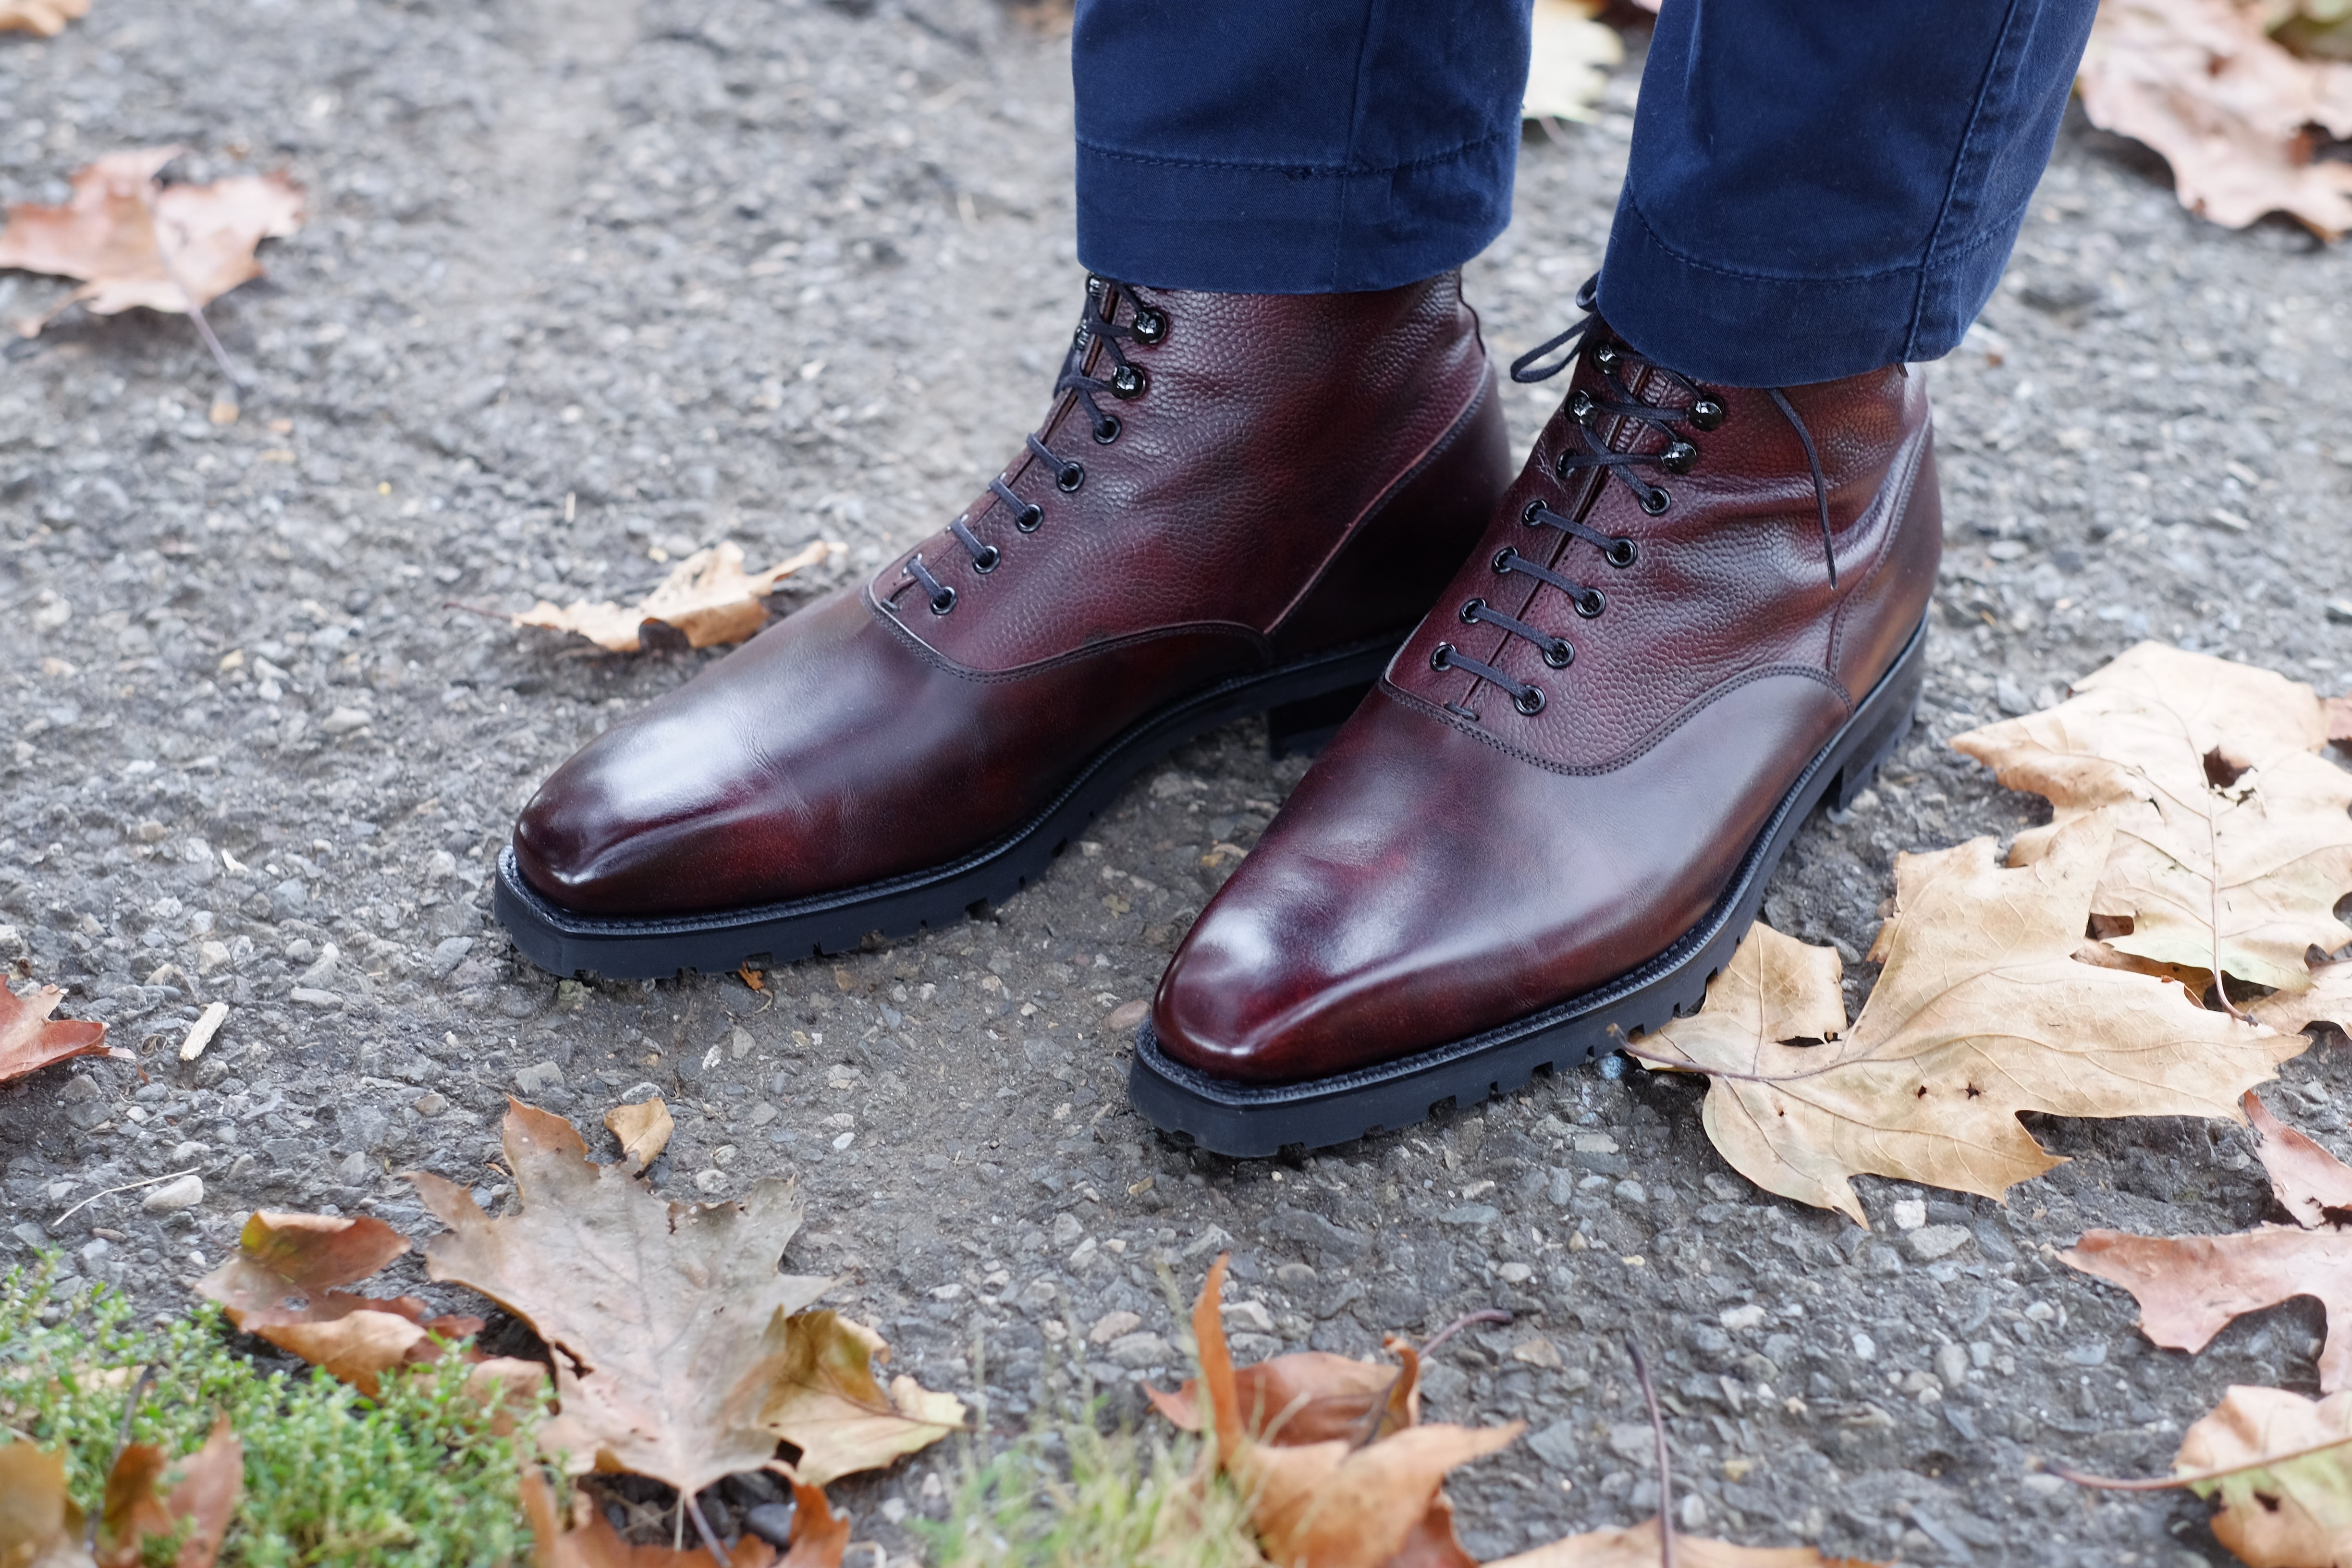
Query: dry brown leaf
<point x="30" y="1041"/>
<point x="2201" y="82"/>
<point x="203" y="1500"/>
<point x="668" y="1319"/>
<point x="2286" y="1501"/>
<point x="591" y="1541"/>
<point x="644" y="1129"/>
<point x="2211" y="773"/>
<point x="2190" y="1287"/>
<point x="825" y="1403"/>
<point x="133" y="242"/>
<point x="40" y="1525"/>
<point x="1312" y="1396"/>
<point x="46" y="17"/>
<point x="1980" y="1012"/>
<point x="1637" y="1546"/>
<point x="1337" y="1503"/>
<point x="280" y="1286"/>
<point x="707" y="597"/>
<point x="819" y="1535"/>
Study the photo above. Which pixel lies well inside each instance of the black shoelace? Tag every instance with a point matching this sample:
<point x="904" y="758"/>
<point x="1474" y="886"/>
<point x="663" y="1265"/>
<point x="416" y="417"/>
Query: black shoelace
<point x="1097" y="321"/>
<point x="1704" y="412"/>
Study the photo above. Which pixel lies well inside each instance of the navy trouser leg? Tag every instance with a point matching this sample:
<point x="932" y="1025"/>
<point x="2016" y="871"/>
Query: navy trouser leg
<point x="1294" y="146"/>
<point x="1816" y="186"/>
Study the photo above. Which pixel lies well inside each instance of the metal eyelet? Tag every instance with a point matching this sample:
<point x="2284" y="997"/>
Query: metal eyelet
<point x="1534" y="511"/>
<point x="1027" y="519"/>
<point x="1560" y="655"/>
<point x="1470" y="612"/>
<point x="1591" y="603"/>
<point x="1441" y="657"/>
<point x="1707" y="414"/>
<point x="1072" y="475"/>
<point x="1657" y="500"/>
<point x="1106" y="432"/>
<point x="1503" y="559"/>
<point x="1128" y="381"/>
<point x="1679" y="458"/>
<point x="1621" y="553"/>
<point x="1579" y="405"/>
<point x="943" y="601"/>
<point x="1151" y="326"/>
<point x="986" y="561"/>
<point x="1605" y="356"/>
<point x="1529" y="701"/>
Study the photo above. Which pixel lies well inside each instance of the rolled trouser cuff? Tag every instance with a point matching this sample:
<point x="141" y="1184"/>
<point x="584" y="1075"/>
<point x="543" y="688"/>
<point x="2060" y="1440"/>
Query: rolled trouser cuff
<point x="1258" y="228"/>
<point x="1750" y="329"/>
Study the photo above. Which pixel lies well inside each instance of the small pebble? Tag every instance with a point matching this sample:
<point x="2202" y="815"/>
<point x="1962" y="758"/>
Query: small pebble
<point x="173" y="1196"/>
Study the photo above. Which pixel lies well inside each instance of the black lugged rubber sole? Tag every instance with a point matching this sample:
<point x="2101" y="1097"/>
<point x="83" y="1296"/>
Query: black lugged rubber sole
<point x="1252" y="1121"/>
<point x="1296" y="697"/>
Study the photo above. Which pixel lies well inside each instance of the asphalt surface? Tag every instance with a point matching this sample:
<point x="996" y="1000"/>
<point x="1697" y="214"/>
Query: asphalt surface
<point x="587" y="285"/>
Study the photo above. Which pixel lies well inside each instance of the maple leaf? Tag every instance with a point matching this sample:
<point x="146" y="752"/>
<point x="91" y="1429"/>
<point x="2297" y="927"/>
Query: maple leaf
<point x="280" y="1286"/>
<point x="1638" y="1546"/>
<point x="1569" y="55"/>
<point x="2225" y="813"/>
<point x="644" y="1129"/>
<point x="1337" y="1502"/>
<point x="1311" y="1396"/>
<point x="707" y="597"/>
<point x="46" y="17"/>
<point x="1980" y="1012"/>
<point x="134" y="242"/>
<point x="201" y="1502"/>
<point x="2189" y="1287"/>
<point x="2199" y="81"/>
<point x="826" y="1404"/>
<point x="667" y="1320"/>
<point x="30" y="1041"/>
<point x="40" y="1525"/>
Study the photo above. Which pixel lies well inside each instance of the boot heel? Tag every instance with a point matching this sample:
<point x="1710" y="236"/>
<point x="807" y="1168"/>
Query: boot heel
<point x="1303" y="728"/>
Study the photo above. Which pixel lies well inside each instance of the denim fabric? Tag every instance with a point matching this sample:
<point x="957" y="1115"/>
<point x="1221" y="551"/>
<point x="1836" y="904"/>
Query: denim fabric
<point x="1816" y="186"/>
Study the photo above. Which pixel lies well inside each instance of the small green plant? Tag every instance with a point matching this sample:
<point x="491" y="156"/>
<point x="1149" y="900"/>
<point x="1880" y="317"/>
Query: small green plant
<point x="414" y="1479"/>
<point x="1072" y="1496"/>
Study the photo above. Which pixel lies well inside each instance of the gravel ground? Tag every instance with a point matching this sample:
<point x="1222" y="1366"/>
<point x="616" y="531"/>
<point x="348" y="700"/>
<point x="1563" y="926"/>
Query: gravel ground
<point x="588" y="284"/>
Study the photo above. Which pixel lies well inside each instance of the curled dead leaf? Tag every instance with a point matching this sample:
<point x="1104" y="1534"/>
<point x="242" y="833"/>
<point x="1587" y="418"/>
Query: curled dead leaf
<point x="707" y="597"/>
<point x="31" y="1040"/>
<point x="644" y="1129"/>
<point x="201" y="1502"/>
<point x="825" y="1401"/>
<point x="46" y="17"/>
<point x="588" y="1540"/>
<point x="40" y="1525"/>
<point x="1980" y="1013"/>
<point x="1311" y="1396"/>
<point x="134" y="242"/>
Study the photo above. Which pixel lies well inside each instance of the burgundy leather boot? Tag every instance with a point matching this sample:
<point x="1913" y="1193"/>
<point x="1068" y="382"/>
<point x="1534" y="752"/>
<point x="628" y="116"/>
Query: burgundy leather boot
<point x="1699" y="611"/>
<point x="1237" y="502"/>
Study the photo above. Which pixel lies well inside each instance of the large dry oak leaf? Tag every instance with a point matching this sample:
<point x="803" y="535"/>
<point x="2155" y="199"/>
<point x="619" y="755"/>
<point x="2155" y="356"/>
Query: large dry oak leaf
<point x="1980" y="1012"/>
<point x="668" y="1320"/>
<point x="708" y="598"/>
<point x="2225" y="813"/>
<point x="30" y="1041"/>
<point x="2230" y="110"/>
<point x="2190" y="1287"/>
<point x="133" y="242"/>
